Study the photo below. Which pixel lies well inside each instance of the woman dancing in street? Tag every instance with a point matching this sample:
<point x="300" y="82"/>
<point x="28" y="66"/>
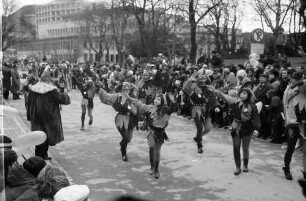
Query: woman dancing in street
<point x="157" y="116"/>
<point x="246" y="122"/>
<point x="125" y="119"/>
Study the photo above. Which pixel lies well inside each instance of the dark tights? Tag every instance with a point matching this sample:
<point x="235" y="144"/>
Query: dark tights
<point x="245" y="139"/>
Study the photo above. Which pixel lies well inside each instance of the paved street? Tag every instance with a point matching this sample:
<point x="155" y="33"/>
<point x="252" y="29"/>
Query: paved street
<point x="92" y="157"/>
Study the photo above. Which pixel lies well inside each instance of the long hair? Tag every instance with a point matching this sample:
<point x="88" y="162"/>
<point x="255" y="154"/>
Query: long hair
<point x="251" y="96"/>
<point x="50" y="180"/>
<point x="159" y="110"/>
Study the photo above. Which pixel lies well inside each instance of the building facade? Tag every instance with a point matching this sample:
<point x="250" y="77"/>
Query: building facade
<point x="60" y="36"/>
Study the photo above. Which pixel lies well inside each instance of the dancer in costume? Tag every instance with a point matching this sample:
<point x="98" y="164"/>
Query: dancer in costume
<point x="157" y="116"/>
<point x="203" y="102"/>
<point x="246" y="122"/>
<point x="87" y="89"/>
<point x="125" y="119"/>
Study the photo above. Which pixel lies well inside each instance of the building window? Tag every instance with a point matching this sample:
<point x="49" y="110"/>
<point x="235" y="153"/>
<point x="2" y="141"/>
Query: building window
<point x="68" y="12"/>
<point x="91" y="57"/>
<point x="117" y="58"/>
<point x="72" y="11"/>
<point x="85" y="44"/>
<point x="112" y="58"/>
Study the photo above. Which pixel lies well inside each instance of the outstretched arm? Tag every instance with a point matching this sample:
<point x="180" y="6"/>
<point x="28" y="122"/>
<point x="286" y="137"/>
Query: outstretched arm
<point x="107" y="98"/>
<point x="142" y="108"/>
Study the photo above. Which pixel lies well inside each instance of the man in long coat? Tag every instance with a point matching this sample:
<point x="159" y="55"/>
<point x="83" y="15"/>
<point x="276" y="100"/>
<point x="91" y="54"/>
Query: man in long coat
<point x="44" y="113"/>
<point x="15" y="82"/>
<point x="6" y="71"/>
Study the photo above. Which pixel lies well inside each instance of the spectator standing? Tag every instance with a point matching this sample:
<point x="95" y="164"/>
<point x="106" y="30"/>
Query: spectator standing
<point x="15" y="82"/>
<point x="284" y="81"/>
<point x="6" y="81"/>
<point x="44" y="113"/>
<point x="216" y="59"/>
<point x="260" y="92"/>
<point x="280" y="42"/>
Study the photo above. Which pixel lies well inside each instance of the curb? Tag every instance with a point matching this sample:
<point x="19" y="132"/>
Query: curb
<point x="22" y="125"/>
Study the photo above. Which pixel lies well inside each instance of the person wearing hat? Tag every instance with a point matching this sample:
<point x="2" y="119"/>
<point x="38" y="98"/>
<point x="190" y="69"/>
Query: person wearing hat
<point x="203" y="103"/>
<point x="125" y="120"/>
<point x="294" y="101"/>
<point x="20" y="178"/>
<point x="246" y="122"/>
<point x="260" y="92"/>
<point x="73" y="193"/>
<point x="157" y="116"/>
<point x="44" y="113"/>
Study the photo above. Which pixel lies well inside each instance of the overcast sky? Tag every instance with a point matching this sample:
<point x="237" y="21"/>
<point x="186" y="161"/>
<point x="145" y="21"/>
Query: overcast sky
<point x="249" y="23"/>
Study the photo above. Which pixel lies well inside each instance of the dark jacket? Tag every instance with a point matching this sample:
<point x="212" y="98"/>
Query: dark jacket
<point x="15" y="81"/>
<point x="18" y="181"/>
<point x="29" y="195"/>
<point x="247" y="115"/>
<point x="44" y="111"/>
<point x="6" y="77"/>
<point x="261" y="91"/>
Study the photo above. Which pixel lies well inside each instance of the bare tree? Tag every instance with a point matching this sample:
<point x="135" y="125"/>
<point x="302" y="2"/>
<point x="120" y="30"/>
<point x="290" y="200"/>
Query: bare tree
<point x="152" y="19"/>
<point x="273" y="12"/>
<point x="119" y="20"/>
<point x="8" y="24"/>
<point x="195" y="11"/>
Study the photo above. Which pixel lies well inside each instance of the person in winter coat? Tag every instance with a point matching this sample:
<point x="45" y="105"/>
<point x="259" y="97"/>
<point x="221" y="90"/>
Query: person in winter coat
<point x="20" y="178"/>
<point x="6" y="81"/>
<point x="246" y="122"/>
<point x="15" y="83"/>
<point x="44" y="113"/>
<point x="48" y="182"/>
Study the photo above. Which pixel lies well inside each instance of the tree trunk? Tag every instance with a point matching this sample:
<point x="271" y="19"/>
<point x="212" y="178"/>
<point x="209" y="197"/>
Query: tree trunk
<point x="193" y="32"/>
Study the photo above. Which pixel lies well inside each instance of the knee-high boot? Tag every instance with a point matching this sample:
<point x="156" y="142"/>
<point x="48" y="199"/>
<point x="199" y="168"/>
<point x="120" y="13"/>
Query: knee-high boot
<point x="82" y="120"/>
<point x="151" y="152"/>
<point x="156" y="171"/>
<point x="245" y="165"/>
<point x="123" y="145"/>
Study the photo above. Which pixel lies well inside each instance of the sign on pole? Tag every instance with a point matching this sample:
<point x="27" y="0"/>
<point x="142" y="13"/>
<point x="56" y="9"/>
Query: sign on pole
<point x="257" y="41"/>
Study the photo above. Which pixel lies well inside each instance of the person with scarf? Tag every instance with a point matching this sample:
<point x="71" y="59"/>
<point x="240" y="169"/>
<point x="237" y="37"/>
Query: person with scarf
<point x="203" y="102"/>
<point x="125" y="119"/>
<point x="157" y="116"/>
<point x="294" y="101"/>
<point x="246" y="122"/>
